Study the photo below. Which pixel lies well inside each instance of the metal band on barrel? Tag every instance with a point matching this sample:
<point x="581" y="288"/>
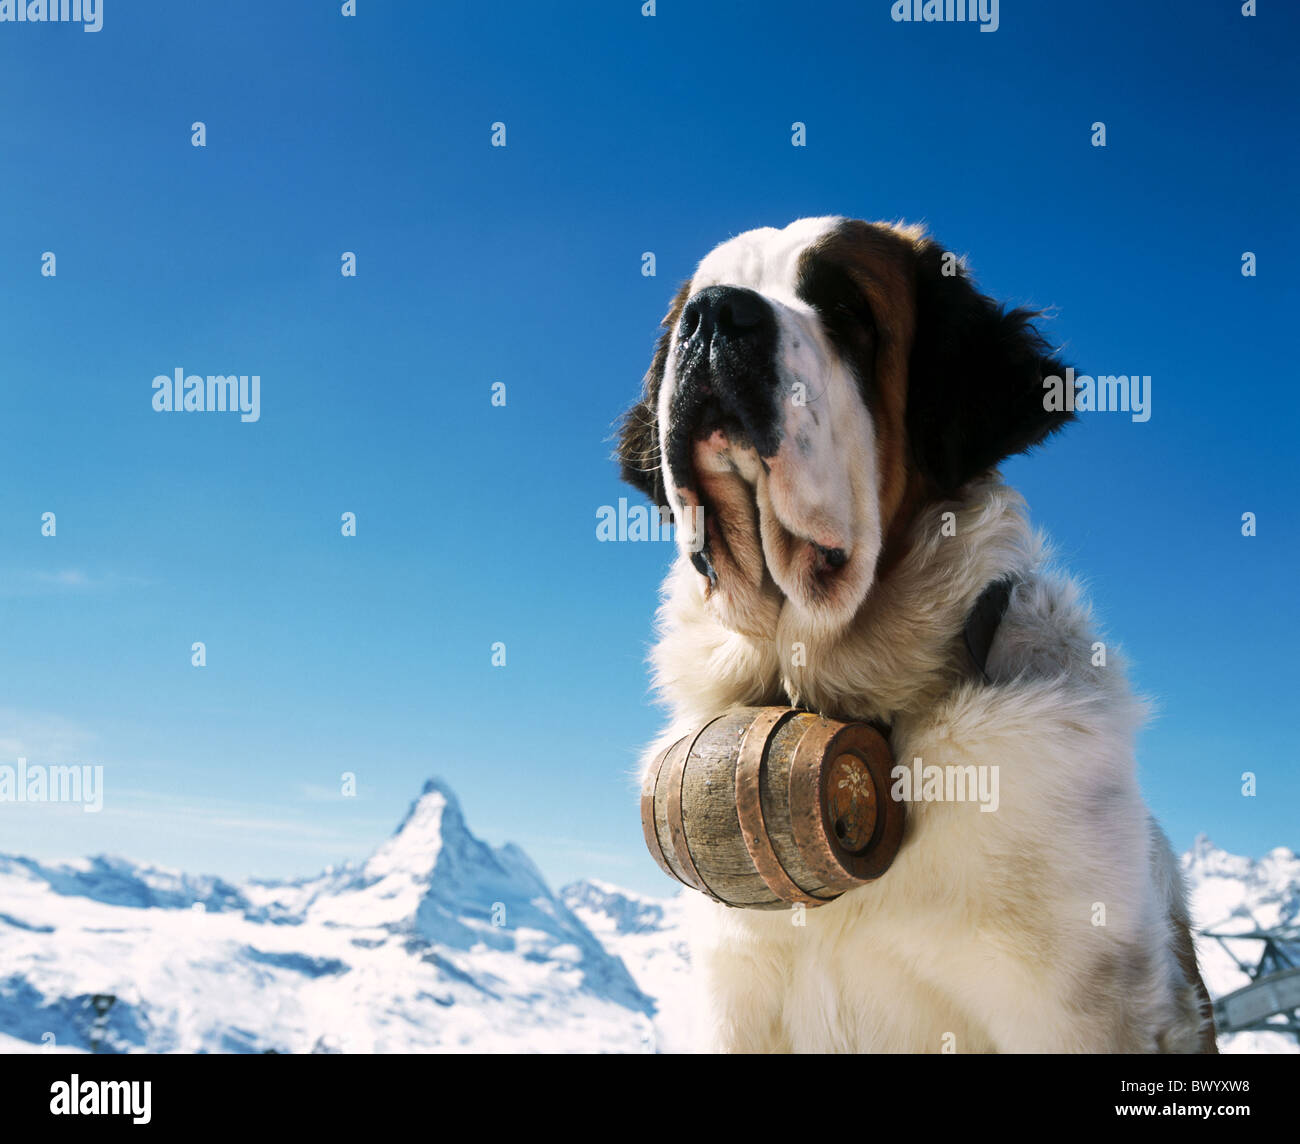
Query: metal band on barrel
<point x="807" y="818"/>
<point x="676" y="830"/>
<point x="749" y="808"/>
<point x="648" y="825"/>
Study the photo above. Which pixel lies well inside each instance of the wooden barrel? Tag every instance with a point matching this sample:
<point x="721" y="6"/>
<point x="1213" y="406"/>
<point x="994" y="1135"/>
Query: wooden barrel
<point x="766" y="806"/>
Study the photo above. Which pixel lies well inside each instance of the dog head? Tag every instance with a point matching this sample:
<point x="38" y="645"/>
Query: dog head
<point x="814" y="387"/>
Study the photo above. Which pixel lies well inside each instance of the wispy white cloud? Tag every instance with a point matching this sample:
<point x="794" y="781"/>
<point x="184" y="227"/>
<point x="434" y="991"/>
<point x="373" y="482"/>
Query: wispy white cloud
<point x="42" y="737"/>
<point x="573" y="848"/>
<point x="42" y="582"/>
<point x="186" y="831"/>
<point x="237" y="821"/>
<point x="319" y="792"/>
<point x="69" y="578"/>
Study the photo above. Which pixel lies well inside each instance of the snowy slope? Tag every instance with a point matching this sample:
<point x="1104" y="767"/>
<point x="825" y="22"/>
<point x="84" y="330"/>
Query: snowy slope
<point x="438" y="942"/>
<point x="1231" y="894"/>
<point x="647" y="935"/>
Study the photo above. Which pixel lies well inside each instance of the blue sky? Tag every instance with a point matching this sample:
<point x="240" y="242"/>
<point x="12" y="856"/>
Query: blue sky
<point x="522" y="265"/>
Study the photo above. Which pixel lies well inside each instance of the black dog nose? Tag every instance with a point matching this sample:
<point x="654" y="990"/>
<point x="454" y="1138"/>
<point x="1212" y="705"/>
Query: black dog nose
<point x="725" y="313"/>
<point x="726" y="376"/>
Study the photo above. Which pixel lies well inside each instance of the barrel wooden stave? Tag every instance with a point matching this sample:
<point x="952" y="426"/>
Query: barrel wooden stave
<point x="712" y="827"/>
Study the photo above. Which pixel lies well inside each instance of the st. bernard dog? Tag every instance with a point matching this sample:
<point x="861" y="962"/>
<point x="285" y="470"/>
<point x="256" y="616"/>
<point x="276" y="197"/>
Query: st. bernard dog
<point x="835" y="397"/>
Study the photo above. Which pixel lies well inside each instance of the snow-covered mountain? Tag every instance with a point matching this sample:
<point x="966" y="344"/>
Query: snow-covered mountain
<point x="437" y="942"/>
<point x="1231" y="894"/>
<point x="647" y="934"/>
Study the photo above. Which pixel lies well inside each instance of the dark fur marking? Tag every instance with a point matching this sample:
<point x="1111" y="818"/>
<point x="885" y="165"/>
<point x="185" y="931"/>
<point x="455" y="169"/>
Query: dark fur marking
<point x="638" y="443"/>
<point x="975" y="387"/>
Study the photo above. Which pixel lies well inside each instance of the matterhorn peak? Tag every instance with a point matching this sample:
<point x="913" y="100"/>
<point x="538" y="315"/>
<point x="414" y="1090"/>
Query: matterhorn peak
<point x="433" y="821"/>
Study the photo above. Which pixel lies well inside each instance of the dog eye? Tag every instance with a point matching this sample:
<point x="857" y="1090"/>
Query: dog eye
<point x="853" y="306"/>
<point x="838" y="296"/>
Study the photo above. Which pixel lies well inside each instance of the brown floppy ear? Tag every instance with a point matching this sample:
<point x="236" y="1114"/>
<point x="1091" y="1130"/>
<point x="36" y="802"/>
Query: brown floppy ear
<point x="638" y="434"/>
<point x="975" y="392"/>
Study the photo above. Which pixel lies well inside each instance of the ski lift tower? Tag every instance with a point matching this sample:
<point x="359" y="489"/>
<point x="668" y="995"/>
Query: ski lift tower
<point x="1274" y="989"/>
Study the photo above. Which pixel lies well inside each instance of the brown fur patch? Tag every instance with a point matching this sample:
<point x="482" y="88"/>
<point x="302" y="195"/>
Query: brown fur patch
<point x="882" y="262"/>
